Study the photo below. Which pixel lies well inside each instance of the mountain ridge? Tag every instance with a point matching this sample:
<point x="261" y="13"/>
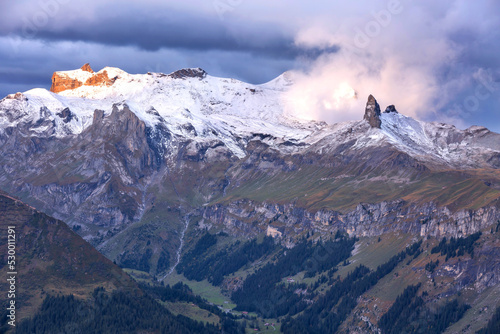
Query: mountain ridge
<point x="52" y="259"/>
<point x="161" y="99"/>
<point x="152" y="148"/>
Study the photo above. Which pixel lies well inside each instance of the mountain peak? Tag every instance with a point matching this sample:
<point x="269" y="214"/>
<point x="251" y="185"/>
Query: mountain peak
<point x="372" y="112"/>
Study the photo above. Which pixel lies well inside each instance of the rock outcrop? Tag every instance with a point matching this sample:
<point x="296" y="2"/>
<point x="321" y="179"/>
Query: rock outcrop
<point x="188" y="73"/>
<point x="372" y="112"/>
<point x="87" y="68"/>
<point x="100" y="79"/>
<point x="17" y="96"/>
<point x="62" y="81"/>
<point x="390" y="109"/>
<point x="66" y="115"/>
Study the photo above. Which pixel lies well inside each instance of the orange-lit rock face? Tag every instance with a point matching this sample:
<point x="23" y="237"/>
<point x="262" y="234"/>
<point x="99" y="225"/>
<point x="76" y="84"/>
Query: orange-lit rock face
<point x="61" y="81"/>
<point x="99" y="79"/>
<point x="87" y="68"/>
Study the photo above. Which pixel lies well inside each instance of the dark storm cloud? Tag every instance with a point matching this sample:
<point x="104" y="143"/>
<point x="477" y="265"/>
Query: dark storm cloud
<point x="22" y="78"/>
<point x="168" y="28"/>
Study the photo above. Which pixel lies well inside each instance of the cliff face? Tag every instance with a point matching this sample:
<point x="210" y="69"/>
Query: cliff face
<point x="62" y="81"/>
<point x="367" y="220"/>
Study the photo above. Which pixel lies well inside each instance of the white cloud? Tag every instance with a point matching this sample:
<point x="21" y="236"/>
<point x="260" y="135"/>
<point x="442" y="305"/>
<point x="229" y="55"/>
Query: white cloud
<point x="391" y="53"/>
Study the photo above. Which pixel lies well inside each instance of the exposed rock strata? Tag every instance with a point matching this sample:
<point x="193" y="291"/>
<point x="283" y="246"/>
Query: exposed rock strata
<point x="365" y="220"/>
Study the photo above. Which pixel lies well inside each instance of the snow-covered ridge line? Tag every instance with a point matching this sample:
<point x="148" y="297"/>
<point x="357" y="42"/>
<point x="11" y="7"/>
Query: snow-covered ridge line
<point x="193" y="105"/>
<point x="183" y="99"/>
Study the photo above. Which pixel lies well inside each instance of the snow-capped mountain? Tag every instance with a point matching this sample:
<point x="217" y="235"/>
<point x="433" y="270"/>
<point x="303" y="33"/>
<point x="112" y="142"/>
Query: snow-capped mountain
<point x="191" y="98"/>
<point x="111" y="152"/>
<point x="192" y="104"/>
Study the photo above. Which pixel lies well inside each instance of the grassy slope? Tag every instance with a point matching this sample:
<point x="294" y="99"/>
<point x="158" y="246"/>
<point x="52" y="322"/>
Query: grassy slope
<point x="317" y="188"/>
<point x="191" y="311"/>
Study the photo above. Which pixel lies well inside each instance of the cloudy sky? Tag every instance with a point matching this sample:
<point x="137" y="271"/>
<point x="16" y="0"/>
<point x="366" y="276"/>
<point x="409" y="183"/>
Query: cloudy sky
<point x="436" y="61"/>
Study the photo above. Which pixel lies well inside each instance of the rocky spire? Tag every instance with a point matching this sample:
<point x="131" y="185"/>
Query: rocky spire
<point x="372" y="112"/>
